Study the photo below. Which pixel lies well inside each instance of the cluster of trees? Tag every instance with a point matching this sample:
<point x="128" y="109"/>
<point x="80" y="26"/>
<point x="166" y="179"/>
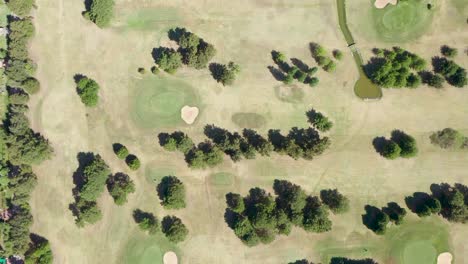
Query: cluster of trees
<point x="323" y="60"/>
<point x="399" y="145"/>
<point x="87" y="89"/>
<point x="171" y="226"/>
<point x="319" y="120"/>
<point x="377" y="219"/>
<point x="119" y="186"/>
<point x="171" y="192"/>
<point x="20" y="146"/>
<point x="393" y="68"/>
<point x="299" y="143"/>
<point x="193" y="51"/>
<point x="99" y="11"/>
<point x="449" y="138"/>
<point x="449" y="201"/>
<point x="299" y="71"/>
<point x="90" y="179"/>
<point x="225" y="74"/>
<point x="122" y="152"/>
<point x="453" y="73"/>
<point x="39" y="251"/>
<point x="259" y="217"/>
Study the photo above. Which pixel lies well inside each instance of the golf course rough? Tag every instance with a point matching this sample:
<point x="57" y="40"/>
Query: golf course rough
<point x="157" y="102"/>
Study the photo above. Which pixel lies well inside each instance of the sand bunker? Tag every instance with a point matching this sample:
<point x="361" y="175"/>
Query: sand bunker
<point x="170" y="258"/>
<point x="383" y="3"/>
<point x="189" y="114"/>
<point x="444" y="258"/>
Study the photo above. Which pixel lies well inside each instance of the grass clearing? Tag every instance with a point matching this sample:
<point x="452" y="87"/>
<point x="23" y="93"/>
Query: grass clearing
<point x="222" y="179"/>
<point x="249" y="120"/>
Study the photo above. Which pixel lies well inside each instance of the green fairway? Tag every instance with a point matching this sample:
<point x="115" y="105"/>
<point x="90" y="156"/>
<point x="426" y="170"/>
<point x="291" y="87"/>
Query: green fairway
<point x="146" y="249"/>
<point x="402" y="22"/>
<point x="248" y="120"/>
<point x="419" y="252"/>
<point x="152" y="18"/>
<point x="157" y="102"/>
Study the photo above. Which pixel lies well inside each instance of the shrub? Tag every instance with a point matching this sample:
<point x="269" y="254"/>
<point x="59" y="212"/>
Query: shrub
<point x="119" y="186"/>
<point x="146" y="221"/>
<point x="120" y="150"/>
<point x="390" y="150"/>
<point x="133" y="162"/>
<point x="338" y="54"/>
<point x="31" y="85"/>
<point x="154" y="70"/>
<point x="88" y="90"/>
<point x="20" y="7"/>
<point x="100" y="12"/>
<point x="448" y="138"/>
<point x="141" y="70"/>
<point x="337" y="202"/>
<point x="86" y="212"/>
<point x="313" y="82"/>
<point x="312" y="71"/>
<point x="174" y="229"/>
<point x="406" y="143"/>
<point x="448" y="51"/>
<point x="171" y="192"/>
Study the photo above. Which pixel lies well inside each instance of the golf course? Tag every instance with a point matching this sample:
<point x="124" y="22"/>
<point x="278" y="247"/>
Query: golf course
<point x="248" y="131"/>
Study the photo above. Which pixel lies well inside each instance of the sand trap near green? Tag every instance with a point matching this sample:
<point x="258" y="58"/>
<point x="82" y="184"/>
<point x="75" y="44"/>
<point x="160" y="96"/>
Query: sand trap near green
<point x="402" y="22"/>
<point x="156" y="102"/>
<point x="420" y="252"/>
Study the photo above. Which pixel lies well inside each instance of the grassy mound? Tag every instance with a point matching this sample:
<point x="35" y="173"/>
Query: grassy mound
<point x="405" y="21"/>
<point x="157" y="102"/>
<point x="248" y="120"/>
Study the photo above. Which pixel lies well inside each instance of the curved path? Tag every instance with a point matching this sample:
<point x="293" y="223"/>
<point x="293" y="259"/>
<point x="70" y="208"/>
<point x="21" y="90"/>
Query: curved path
<point x="363" y="88"/>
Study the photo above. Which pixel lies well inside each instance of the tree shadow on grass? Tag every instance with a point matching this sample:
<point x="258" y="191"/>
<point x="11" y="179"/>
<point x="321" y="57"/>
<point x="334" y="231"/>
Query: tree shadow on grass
<point x="300" y="64"/>
<point x="277" y="73"/>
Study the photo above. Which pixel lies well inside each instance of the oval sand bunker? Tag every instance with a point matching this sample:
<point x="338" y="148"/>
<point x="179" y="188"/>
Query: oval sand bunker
<point x="383" y="3"/>
<point x="170" y="258"/>
<point x="444" y="258"/>
<point x="189" y="114"/>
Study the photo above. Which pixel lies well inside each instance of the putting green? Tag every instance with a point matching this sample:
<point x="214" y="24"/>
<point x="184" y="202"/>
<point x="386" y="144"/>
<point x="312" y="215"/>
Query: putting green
<point x="157" y="102"/>
<point x="419" y="252"/>
<point x="145" y="249"/>
<point x="248" y="120"/>
<point x="402" y="22"/>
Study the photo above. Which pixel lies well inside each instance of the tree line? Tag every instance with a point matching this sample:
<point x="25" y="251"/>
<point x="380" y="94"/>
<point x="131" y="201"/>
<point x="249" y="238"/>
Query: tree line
<point x="399" y="145"/>
<point x="171" y="226"/>
<point x="298" y="71"/>
<point x="20" y="146"/>
<point x="259" y="217"/>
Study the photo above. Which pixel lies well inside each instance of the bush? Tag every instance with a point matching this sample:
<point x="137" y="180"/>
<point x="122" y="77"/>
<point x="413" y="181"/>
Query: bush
<point x="225" y="74"/>
<point x="133" y="162"/>
<point x="100" y="12"/>
<point x="319" y="121"/>
<point x="154" y="70"/>
<point x="448" y="138"/>
<point x="20" y="7"/>
<point x="330" y="67"/>
<point x="119" y="186"/>
<point x="120" y="150"/>
<point x="313" y="82"/>
<point x="86" y="212"/>
<point x="88" y="90"/>
<point x="406" y="143"/>
<point x="31" y="85"/>
<point x="167" y="59"/>
<point x="174" y="229"/>
<point x="141" y="70"/>
<point x="448" y="51"/>
<point x="338" y="54"/>
<point x="390" y="150"/>
<point x="171" y="192"/>
<point x="146" y="221"/>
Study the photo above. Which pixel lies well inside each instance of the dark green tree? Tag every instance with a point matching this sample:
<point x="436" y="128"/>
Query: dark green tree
<point x="174" y="229"/>
<point x="146" y="221"/>
<point x="171" y="192"/>
<point x="119" y="186"/>
<point x="88" y="90"/>
<point x="337" y="202"/>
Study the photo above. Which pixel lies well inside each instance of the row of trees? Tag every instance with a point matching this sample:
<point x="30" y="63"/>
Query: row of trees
<point x="299" y="143"/>
<point x="20" y="146"/>
<point x="451" y="202"/>
<point x="299" y="71"/>
<point x="171" y="226"/>
<point x="453" y="73"/>
<point x="449" y="138"/>
<point x="321" y="57"/>
<point x="393" y="68"/>
<point x="122" y="152"/>
<point x="399" y="145"/>
<point x="377" y="219"/>
<point x="259" y="217"/>
<point x="99" y="11"/>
